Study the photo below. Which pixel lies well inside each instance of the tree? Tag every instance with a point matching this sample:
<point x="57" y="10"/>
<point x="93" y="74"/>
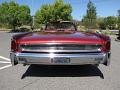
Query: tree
<point x="44" y="14"/>
<point x="24" y="15"/>
<point x="13" y="14"/>
<point x="118" y="22"/>
<point x="53" y="12"/>
<point x="118" y="19"/>
<point x="89" y="19"/>
<point x="100" y="22"/>
<point x="62" y="11"/>
<point x="3" y="13"/>
<point x="111" y="22"/>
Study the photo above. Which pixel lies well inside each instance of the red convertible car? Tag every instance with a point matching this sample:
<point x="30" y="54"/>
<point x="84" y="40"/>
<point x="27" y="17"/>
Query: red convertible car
<point x="60" y="44"/>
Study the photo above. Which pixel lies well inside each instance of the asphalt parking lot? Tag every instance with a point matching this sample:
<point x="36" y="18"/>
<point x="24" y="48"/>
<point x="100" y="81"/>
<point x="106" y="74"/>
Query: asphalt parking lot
<point x="58" y="77"/>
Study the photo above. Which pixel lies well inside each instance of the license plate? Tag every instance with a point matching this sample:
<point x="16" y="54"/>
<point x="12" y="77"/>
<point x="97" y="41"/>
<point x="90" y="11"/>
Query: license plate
<point x="60" y="60"/>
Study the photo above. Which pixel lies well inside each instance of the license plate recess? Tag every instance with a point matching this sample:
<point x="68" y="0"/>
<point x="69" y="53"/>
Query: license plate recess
<point x="60" y="60"/>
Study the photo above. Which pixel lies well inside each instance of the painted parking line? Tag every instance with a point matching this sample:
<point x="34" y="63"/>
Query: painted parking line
<point x="4" y="62"/>
<point x="5" y="67"/>
<point x="4" y="58"/>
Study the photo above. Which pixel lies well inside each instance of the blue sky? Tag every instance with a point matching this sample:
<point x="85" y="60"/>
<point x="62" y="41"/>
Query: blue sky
<point x="104" y="7"/>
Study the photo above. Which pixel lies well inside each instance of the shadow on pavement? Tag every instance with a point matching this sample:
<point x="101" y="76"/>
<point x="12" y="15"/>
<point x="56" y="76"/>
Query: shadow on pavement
<point x="62" y="71"/>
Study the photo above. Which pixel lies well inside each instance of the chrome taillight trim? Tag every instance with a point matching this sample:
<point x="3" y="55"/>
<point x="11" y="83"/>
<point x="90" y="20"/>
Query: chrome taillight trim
<point x="61" y="47"/>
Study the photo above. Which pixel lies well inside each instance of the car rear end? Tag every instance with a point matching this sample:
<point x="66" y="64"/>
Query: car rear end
<point x="60" y="53"/>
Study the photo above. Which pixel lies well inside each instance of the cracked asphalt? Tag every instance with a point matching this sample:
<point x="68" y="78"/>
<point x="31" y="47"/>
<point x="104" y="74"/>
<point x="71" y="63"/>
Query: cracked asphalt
<point x="58" y="77"/>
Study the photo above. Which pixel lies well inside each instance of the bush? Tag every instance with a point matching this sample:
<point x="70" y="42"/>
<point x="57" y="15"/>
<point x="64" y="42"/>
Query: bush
<point x="21" y="30"/>
<point x="106" y="32"/>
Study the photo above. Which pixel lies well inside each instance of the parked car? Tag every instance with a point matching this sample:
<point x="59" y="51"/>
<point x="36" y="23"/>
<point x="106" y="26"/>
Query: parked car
<point x="60" y="44"/>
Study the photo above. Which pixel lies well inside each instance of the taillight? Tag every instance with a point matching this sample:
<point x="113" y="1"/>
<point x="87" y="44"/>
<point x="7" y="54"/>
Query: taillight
<point x="106" y="47"/>
<point x="14" y="46"/>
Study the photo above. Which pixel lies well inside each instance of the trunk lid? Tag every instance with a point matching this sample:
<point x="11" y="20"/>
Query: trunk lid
<point x="59" y="37"/>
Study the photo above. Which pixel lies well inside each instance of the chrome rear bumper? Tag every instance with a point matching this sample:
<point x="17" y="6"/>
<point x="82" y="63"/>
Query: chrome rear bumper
<point x="46" y="59"/>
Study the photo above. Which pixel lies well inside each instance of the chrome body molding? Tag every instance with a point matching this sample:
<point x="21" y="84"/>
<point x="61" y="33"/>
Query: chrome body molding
<point x="108" y="58"/>
<point x="60" y="48"/>
<point x="46" y="59"/>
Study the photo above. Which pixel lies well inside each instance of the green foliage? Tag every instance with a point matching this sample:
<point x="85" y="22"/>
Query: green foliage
<point x="118" y="23"/>
<point x="111" y="22"/>
<point x="24" y="15"/>
<point x="53" y="12"/>
<point x="90" y="19"/>
<point x="62" y="11"/>
<point x="13" y="14"/>
<point x="101" y="23"/>
<point x="44" y="14"/>
<point x="3" y="13"/>
<point x="106" y="32"/>
<point x="91" y="11"/>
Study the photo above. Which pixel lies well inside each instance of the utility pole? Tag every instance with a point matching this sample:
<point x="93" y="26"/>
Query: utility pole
<point x="33" y="21"/>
